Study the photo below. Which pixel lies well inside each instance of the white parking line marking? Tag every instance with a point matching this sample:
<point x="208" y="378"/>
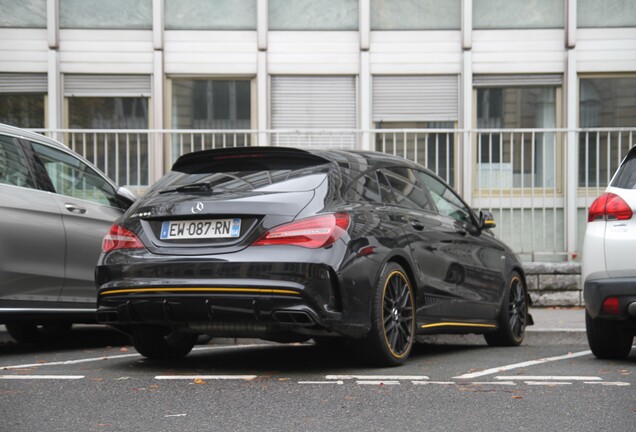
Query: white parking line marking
<point x="549" y="378"/>
<point x="68" y="362"/>
<point x="206" y="377"/>
<point x="609" y="383"/>
<point x="321" y="382"/>
<point x="433" y="382"/>
<point x="522" y="365"/>
<point x="379" y="382"/>
<point x="42" y="377"/>
<point x="115" y="357"/>
<point x="547" y="383"/>
<point x="508" y="383"/>
<point x="378" y="377"/>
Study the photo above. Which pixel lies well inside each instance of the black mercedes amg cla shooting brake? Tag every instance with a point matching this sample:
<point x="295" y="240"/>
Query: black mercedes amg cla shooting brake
<point x="286" y="244"/>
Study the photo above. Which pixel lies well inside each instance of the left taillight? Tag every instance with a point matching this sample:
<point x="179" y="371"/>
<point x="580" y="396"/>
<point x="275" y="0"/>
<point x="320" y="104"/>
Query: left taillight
<point x="314" y="232"/>
<point x="119" y="237"/>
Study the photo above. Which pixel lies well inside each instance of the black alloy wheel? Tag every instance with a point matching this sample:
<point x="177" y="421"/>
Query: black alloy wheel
<point x="513" y="317"/>
<point x="392" y="334"/>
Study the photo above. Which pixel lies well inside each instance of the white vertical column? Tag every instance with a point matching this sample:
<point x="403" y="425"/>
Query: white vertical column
<point x="54" y="83"/>
<point x="262" y="83"/>
<point x="466" y="164"/>
<point x="54" y="92"/>
<point x="159" y="156"/>
<point x="572" y="148"/>
<point x="365" y="74"/>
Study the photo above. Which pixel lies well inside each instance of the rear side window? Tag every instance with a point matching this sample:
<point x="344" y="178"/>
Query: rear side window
<point x="364" y="189"/>
<point x="408" y="189"/>
<point x="13" y="166"/>
<point x="625" y="177"/>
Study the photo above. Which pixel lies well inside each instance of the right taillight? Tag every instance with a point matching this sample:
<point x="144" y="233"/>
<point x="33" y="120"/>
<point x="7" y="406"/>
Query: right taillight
<point x="120" y="238"/>
<point x="313" y="232"/>
<point x="609" y="206"/>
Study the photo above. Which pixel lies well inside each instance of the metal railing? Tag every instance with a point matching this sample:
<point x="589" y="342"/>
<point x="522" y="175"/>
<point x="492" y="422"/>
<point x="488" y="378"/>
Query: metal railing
<point x="526" y="177"/>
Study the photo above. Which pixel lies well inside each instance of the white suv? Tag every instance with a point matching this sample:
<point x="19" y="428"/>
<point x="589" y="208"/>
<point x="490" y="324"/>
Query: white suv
<point x="609" y="265"/>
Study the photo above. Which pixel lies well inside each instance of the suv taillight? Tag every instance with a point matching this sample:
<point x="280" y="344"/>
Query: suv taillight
<point x="609" y="206"/>
<point x="314" y="232"/>
<point x="120" y="238"/>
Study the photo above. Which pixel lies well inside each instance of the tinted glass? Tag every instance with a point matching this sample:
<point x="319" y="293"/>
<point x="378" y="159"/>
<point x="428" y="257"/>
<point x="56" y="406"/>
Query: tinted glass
<point x="626" y="176"/>
<point x="266" y="174"/>
<point x="446" y="201"/>
<point x="72" y="177"/>
<point x="13" y="166"/>
<point x="364" y="189"/>
<point x="408" y="190"/>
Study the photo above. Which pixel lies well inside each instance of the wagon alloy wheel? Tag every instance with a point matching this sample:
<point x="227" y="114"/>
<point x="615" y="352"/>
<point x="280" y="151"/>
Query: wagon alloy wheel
<point x="392" y="333"/>
<point x="517" y="308"/>
<point x="398" y="314"/>
<point x="513" y="317"/>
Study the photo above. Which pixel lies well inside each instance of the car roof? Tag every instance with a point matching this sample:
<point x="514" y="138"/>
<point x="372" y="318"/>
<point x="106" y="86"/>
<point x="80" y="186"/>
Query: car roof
<point x="6" y="129"/>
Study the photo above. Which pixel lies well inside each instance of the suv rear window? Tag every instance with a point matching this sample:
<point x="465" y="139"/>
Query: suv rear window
<point x="625" y="177"/>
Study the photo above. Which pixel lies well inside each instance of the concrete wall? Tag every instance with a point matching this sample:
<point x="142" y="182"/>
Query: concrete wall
<point x="554" y="284"/>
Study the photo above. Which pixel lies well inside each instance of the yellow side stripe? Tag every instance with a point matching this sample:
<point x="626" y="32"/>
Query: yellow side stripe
<point x="228" y="290"/>
<point x="456" y="324"/>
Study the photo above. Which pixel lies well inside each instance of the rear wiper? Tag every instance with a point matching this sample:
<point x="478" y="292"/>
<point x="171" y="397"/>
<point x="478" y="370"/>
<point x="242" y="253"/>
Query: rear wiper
<point x="194" y="187"/>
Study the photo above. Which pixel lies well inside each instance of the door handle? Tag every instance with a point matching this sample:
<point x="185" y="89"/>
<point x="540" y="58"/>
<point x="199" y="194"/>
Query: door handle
<point x="75" y="209"/>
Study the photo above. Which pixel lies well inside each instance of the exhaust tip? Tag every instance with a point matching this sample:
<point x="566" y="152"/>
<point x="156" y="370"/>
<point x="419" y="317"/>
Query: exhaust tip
<point x="294" y="317"/>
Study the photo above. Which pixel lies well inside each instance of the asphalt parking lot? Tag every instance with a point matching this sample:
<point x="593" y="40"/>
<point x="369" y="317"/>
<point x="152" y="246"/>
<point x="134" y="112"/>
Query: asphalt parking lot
<point x="97" y="381"/>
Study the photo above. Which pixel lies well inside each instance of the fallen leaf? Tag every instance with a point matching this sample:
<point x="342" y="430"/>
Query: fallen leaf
<point x="123" y="349"/>
<point x="199" y="381"/>
<point x="517" y="397"/>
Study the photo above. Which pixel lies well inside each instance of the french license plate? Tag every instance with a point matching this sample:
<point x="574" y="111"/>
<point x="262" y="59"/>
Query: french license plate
<point x="200" y="229"/>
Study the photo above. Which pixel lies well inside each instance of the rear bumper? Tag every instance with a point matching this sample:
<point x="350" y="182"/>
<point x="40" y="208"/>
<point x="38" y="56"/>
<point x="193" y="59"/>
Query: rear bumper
<point x="596" y="291"/>
<point x="265" y="300"/>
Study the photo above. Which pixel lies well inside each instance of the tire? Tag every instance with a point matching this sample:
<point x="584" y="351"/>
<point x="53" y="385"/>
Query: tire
<point x="37" y="334"/>
<point x="392" y="333"/>
<point x="607" y="339"/>
<point x="162" y="343"/>
<point x="513" y="317"/>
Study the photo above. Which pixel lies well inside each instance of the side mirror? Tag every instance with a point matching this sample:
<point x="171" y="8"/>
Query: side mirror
<point x="126" y="197"/>
<point x="486" y="220"/>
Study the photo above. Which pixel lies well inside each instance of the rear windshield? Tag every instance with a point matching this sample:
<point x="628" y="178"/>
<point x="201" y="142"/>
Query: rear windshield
<point x="625" y="177"/>
<point x="261" y="175"/>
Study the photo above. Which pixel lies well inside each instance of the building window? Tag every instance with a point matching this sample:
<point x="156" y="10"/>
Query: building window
<point x="23" y="14"/>
<point x="516" y="159"/>
<point x="22" y="99"/>
<point x="111" y="14"/>
<point x="210" y="14"/>
<point x="313" y="14"/>
<point x="518" y="14"/>
<point x="604" y="103"/>
<point x="120" y="155"/>
<point x="210" y="104"/>
<point x="415" y="15"/>
<point x="436" y="151"/>
<point x="607" y="13"/>
<point x="22" y="110"/>
<point x="402" y="103"/>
